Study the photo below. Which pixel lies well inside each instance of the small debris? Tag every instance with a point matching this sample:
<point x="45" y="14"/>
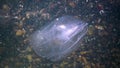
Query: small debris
<point x="45" y="16"/>
<point x="29" y="57"/>
<point x="99" y="27"/>
<point x="85" y="52"/>
<point x="91" y="30"/>
<point x="84" y="61"/>
<point x="72" y="4"/>
<point x="6" y="66"/>
<point x="20" y="32"/>
<point x="6" y="7"/>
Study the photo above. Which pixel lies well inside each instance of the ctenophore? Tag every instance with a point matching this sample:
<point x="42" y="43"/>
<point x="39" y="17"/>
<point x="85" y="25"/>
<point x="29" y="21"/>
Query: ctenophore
<point x="59" y="38"/>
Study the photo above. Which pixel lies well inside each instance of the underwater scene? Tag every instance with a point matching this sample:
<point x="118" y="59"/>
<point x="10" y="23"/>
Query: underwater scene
<point x="59" y="34"/>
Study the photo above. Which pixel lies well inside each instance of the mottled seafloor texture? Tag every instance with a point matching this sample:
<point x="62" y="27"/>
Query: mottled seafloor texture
<point x="21" y="18"/>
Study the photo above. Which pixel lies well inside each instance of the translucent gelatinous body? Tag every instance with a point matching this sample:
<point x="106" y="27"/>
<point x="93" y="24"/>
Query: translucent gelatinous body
<point x="59" y="39"/>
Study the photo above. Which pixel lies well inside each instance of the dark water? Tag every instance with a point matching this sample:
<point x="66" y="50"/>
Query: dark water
<point x="99" y="48"/>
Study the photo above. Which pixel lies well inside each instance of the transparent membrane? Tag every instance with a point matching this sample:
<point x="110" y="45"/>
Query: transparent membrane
<point x="58" y="39"/>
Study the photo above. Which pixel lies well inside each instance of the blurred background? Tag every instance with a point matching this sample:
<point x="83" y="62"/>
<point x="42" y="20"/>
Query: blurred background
<point x="20" y="18"/>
